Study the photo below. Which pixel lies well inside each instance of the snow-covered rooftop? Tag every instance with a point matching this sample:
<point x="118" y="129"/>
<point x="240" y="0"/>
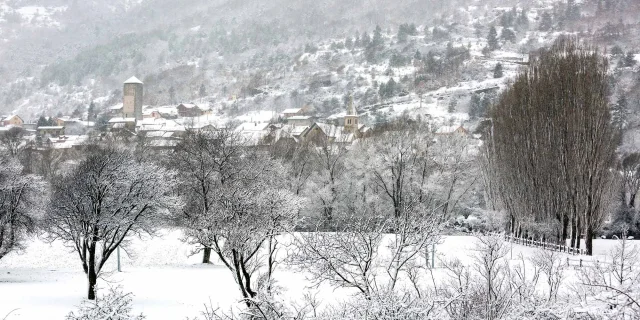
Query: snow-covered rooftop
<point x="133" y="80"/>
<point x="121" y="120"/>
<point x="293" y="110"/>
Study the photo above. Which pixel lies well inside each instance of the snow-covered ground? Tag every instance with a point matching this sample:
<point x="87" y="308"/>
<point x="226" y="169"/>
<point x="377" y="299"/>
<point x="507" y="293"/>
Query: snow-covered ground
<point x="46" y="281"/>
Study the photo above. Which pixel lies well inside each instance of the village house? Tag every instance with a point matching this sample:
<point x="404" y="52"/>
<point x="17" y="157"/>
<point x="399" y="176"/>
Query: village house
<point x="188" y="110"/>
<point x="11" y="120"/>
<point x="305" y="128"/>
<point x="50" y="131"/>
<point x="118" y="124"/>
<point x="293" y="112"/>
<point x="300" y="120"/>
<point x="452" y="130"/>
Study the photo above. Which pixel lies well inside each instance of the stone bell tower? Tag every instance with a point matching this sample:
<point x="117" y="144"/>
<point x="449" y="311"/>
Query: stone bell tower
<point x="132" y="102"/>
<point x="351" y="118"/>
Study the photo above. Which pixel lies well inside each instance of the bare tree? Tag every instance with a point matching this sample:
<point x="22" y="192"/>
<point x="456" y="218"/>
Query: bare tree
<point x="105" y="200"/>
<point x="614" y="283"/>
<point x="251" y="207"/>
<point x="22" y="200"/>
<point x="206" y="160"/>
<point x="550" y="263"/>
<point x="553" y="145"/>
<point x="13" y="141"/>
<point x="328" y="156"/>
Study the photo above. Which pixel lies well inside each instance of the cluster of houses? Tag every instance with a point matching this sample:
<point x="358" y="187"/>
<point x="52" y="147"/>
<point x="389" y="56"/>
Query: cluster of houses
<point x="56" y="135"/>
<point x="163" y="127"/>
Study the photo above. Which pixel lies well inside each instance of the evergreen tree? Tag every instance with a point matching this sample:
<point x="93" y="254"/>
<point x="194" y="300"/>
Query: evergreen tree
<point x="412" y="30"/>
<point x="43" y="121"/>
<point x="617" y="51"/>
<point x="391" y="88"/>
<point x="382" y="90"/>
<point x="172" y="94"/>
<point x="202" y="92"/>
<point x="492" y="39"/>
<point x="356" y="42"/>
<point x="508" y="35"/>
<point x="91" y="112"/>
<point x="77" y="112"/>
<point x="453" y="103"/>
<point x="546" y="22"/>
<point x="377" y="37"/>
<point x="475" y="105"/>
<point x="573" y="10"/>
<point x="497" y="71"/>
<point x="487" y="101"/>
<point x="348" y="43"/>
<point x="403" y="33"/>
<point x="629" y="59"/>
<point x="523" y="20"/>
<point x="620" y="112"/>
<point x="418" y="55"/>
<point x="366" y="40"/>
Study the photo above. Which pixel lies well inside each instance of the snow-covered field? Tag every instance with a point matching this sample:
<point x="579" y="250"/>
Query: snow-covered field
<point x="46" y="281"/>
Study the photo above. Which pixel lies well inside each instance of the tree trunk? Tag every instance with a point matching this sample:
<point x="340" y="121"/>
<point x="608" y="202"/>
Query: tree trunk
<point x="565" y="227"/>
<point x="573" y="232"/>
<point x="206" y="258"/>
<point x="588" y="240"/>
<point x="578" y="232"/>
<point x="92" y="274"/>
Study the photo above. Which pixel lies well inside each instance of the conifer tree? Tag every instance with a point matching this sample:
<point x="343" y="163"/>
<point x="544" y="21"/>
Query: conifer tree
<point x="497" y="71"/>
<point x="492" y="39"/>
<point x="546" y="22"/>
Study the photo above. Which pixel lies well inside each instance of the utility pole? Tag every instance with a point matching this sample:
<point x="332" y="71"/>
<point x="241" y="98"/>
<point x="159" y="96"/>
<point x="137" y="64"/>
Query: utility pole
<point x="118" y="254"/>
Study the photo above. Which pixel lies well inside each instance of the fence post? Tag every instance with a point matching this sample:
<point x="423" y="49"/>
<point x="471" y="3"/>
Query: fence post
<point x="581" y="263"/>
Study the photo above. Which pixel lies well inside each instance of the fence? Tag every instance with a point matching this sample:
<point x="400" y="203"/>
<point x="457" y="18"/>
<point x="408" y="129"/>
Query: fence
<point x="540" y="244"/>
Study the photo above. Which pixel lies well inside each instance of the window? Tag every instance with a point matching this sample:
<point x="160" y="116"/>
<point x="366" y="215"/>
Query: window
<point x="349" y="121"/>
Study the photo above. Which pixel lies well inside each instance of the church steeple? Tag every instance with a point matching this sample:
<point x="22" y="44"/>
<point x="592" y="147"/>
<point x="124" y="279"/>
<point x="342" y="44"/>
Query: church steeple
<point x="351" y="118"/>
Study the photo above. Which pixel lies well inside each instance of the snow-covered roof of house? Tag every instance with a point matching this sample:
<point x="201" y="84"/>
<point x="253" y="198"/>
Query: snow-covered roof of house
<point x="252" y="127"/>
<point x="337" y="116"/>
<point x="299" y="118"/>
<point x="292" y="110"/>
<point x="121" y="120"/>
<point x="67" y="141"/>
<point x="297" y="130"/>
<point x="167" y="110"/>
<point x="336" y="132"/>
<point x="188" y="105"/>
<point x="160" y="124"/>
<point x="449" y="129"/>
<point x="116" y="107"/>
<point x="133" y="80"/>
<point x="7" y="117"/>
<point x="160" y="134"/>
<point x="50" y="127"/>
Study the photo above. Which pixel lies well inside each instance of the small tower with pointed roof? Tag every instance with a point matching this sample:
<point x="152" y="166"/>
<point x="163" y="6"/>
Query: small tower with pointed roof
<point x="132" y="102"/>
<point x="351" y="118"/>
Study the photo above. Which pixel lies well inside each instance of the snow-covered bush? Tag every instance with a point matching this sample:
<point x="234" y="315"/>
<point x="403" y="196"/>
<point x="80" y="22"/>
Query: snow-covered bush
<point x="115" y="305"/>
<point x="610" y="290"/>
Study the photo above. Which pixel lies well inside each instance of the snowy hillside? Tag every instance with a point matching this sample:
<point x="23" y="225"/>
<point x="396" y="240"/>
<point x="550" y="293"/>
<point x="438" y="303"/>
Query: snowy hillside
<point x="278" y="59"/>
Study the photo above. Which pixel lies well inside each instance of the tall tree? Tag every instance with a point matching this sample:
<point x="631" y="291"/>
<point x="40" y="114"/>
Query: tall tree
<point x="22" y="201"/>
<point x="546" y="22"/>
<point x="105" y="200"/>
<point x="206" y="160"/>
<point x="553" y="145"/>
<point x="497" y="71"/>
<point x="492" y="39"/>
